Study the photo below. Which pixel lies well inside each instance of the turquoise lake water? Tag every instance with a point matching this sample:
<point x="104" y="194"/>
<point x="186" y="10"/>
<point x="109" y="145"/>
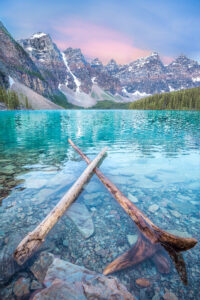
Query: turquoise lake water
<point x="153" y="157"/>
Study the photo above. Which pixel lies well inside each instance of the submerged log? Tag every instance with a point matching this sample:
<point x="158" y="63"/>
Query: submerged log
<point x="142" y="250"/>
<point x="35" y="238"/>
<point x="151" y="233"/>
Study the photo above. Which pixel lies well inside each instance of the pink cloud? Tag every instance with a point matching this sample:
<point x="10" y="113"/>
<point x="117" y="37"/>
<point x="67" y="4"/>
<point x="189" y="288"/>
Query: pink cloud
<point x="97" y="41"/>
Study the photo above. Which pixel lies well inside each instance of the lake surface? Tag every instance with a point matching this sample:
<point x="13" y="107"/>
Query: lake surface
<point x="153" y="157"/>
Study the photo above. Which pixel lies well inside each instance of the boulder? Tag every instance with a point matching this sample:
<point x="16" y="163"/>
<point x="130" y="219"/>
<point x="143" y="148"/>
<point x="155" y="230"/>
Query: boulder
<point x="64" y="280"/>
<point x="60" y="290"/>
<point x="41" y="264"/>
<point x="21" y="287"/>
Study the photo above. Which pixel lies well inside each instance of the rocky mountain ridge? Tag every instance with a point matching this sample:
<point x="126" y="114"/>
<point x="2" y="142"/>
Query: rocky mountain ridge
<point x="39" y="64"/>
<point x="142" y="77"/>
<point x="15" y="62"/>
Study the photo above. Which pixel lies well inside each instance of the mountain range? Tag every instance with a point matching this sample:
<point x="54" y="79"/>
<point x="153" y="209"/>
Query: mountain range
<point x="37" y="68"/>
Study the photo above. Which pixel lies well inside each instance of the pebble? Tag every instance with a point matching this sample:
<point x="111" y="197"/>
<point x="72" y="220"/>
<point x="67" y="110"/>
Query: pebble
<point x="143" y="282"/>
<point x="132" y="239"/>
<point x="156" y="297"/>
<point x="153" y="208"/>
<point x="175" y="213"/>
<point x="170" y="296"/>
<point x="65" y="243"/>
<point x="7" y="172"/>
<point x="132" y="198"/>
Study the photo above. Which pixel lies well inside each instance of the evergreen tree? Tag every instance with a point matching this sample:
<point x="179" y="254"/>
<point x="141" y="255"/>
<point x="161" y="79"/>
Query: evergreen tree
<point x="26" y="102"/>
<point x="180" y="100"/>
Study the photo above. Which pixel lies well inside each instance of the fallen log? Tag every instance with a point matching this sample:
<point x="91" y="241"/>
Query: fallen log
<point x="151" y="233"/>
<point x="34" y="239"/>
<point x="140" y="251"/>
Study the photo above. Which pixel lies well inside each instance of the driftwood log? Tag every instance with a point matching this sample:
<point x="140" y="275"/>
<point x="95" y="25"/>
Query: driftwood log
<point x="35" y="238"/>
<point x="152" y="239"/>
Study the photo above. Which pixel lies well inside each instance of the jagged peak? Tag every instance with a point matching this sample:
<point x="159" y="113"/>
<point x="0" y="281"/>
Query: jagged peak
<point x="181" y="59"/>
<point x="75" y="54"/>
<point x="154" y="56"/>
<point x="73" y="50"/>
<point x="112" y="62"/>
<point x="96" y="61"/>
<point x="182" y="56"/>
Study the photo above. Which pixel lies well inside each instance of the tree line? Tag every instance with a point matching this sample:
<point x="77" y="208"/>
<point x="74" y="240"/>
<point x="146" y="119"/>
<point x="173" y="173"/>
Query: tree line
<point x="11" y="99"/>
<point x="180" y="100"/>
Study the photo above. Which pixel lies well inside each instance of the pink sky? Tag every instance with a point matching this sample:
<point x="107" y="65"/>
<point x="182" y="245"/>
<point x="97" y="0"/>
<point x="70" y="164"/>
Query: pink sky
<point x="99" y="41"/>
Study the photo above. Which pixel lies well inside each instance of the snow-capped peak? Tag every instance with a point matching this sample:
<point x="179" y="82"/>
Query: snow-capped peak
<point x="38" y="35"/>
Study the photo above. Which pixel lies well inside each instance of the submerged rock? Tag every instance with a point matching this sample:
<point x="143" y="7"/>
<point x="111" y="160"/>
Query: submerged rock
<point x="170" y="296"/>
<point x="61" y="290"/>
<point x="132" y="198"/>
<point x="6" y="293"/>
<point x="143" y="282"/>
<point x="93" y="199"/>
<point x="21" y="287"/>
<point x="41" y="264"/>
<point x="132" y="239"/>
<point x="35" y="285"/>
<point x="175" y="213"/>
<point x="81" y="217"/>
<point x="153" y="208"/>
<point x="7" y="263"/>
<point x="92" y="187"/>
<point x="102" y="287"/>
<point x="7" y="172"/>
<point x="64" y="280"/>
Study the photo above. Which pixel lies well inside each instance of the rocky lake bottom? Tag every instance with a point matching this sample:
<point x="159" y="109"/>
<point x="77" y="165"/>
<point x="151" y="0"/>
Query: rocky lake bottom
<point x="153" y="158"/>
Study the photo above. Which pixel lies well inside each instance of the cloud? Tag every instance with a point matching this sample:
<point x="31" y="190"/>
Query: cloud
<point x="97" y="41"/>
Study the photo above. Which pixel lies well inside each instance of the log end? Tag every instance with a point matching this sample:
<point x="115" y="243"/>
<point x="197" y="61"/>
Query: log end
<point x="178" y="243"/>
<point x="26" y="248"/>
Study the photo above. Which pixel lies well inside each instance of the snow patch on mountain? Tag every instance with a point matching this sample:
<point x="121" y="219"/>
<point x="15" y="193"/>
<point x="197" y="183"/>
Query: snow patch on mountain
<point x="77" y="82"/>
<point x="135" y="95"/>
<point x="171" y="89"/>
<point x="29" y="49"/>
<point x="196" y="79"/>
<point x="139" y="94"/>
<point x="93" y="79"/>
<point x="38" y="35"/>
<point x="11" y="81"/>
